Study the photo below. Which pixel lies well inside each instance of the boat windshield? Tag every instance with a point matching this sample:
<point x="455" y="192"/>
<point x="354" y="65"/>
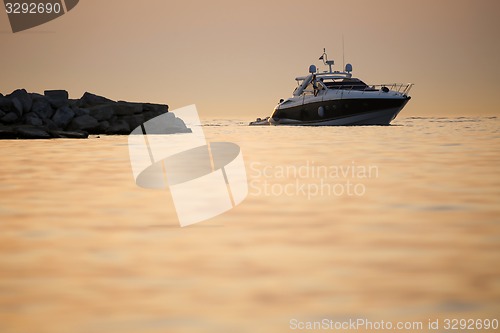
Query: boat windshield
<point x="313" y="88"/>
<point x="345" y="83"/>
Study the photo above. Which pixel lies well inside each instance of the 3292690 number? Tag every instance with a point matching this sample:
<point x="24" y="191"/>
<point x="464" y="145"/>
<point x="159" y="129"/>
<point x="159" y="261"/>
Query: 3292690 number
<point x="32" y="8"/>
<point x="470" y="324"/>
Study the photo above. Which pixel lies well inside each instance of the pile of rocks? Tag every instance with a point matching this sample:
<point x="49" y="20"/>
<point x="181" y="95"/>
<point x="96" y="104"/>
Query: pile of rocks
<point x="54" y="115"/>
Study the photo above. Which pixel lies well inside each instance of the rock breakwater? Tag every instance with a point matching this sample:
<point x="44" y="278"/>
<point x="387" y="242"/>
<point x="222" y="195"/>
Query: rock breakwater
<point x="25" y="115"/>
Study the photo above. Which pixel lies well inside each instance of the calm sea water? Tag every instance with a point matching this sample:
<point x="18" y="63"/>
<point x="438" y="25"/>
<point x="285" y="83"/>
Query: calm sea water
<point x="393" y="224"/>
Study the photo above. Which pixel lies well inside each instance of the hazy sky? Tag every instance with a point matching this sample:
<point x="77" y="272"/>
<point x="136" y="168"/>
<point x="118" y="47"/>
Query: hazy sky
<point x="238" y="58"/>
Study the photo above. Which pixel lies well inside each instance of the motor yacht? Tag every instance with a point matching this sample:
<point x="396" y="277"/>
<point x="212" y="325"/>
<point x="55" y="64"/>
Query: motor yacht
<point x="330" y="98"/>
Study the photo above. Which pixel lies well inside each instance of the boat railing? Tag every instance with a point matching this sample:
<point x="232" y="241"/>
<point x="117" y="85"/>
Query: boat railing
<point x="402" y="88"/>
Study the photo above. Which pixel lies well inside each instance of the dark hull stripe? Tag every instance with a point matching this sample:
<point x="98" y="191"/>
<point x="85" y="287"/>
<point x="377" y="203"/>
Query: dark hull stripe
<point x="337" y="109"/>
<point x="335" y="118"/>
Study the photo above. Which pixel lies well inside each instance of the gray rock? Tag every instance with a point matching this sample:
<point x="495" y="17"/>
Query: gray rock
<point x="63" y="116"/>
<point x="102" y="112"/>
<point x="23" y="97"/>
<point x="156" y="109"/>
<point x="147" y="115"/>
<point x="57" y="98"/>
<point x="50" y="125"/>
<point x="178" y="122"/>
<point x="73" y="103"/>
<point x="119" y="127"/>
<point x="7" y="132"/>
<point x="56" y="94"/>
<point x="36" y="96"/>
<point x="55" y="114"/>
<point x="5" y="104"/>
<point x="80" y="112"/>
<point x="69" y="134"/>
<point x="42" y="108"/>
<point x="10" y="118"/>
<point x="103" y="126"/>
<point x="32" y="133"/>
<point x="127" y="109"/>
<point x="84" y="122"/>
<point x="169" y="117"/>
<point x="134" y="121"/>
<point x="157" y="113"/>
<point x="113" y="120"/>
<point x="31" y="118"/>
<point x="17" y="106"/>
<point x="167" y="124"/>
<point x="89" y="99"/>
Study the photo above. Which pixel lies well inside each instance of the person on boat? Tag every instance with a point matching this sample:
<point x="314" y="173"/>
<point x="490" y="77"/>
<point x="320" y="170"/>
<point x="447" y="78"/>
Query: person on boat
<point x="315" y="86"/>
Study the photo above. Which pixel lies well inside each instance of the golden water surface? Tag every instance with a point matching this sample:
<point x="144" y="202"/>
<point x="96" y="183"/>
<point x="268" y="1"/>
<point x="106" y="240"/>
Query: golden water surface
<point x="83" y="249"/>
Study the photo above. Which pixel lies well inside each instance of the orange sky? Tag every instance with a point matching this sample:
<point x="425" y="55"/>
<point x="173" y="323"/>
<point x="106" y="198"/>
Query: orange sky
<point x="238" y="58"/>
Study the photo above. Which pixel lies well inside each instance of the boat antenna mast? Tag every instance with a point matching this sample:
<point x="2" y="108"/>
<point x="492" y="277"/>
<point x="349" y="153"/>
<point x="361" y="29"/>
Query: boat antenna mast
<point x="324" y="57"/>
<point x="343" y="52"/>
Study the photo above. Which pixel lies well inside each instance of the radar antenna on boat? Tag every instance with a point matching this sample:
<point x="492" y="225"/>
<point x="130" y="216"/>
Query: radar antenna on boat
<point x="324" y="57"/>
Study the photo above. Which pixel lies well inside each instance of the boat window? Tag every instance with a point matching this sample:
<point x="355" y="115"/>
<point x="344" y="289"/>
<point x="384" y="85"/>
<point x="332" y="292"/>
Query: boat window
<point x="309" y="89"/>
<point x="347" y="83"/>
